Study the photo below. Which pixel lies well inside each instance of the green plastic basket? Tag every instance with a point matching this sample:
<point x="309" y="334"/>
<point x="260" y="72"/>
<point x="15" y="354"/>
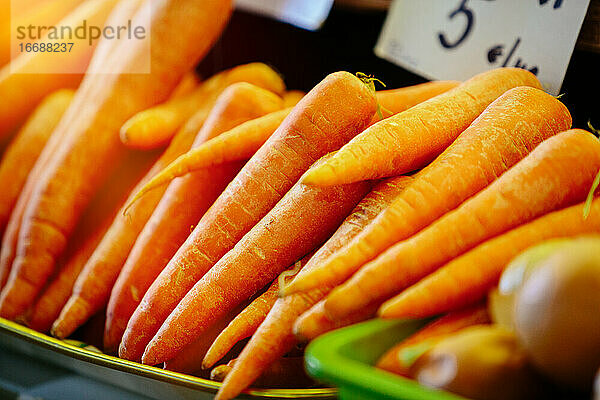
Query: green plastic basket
<point x="345" y="358"/>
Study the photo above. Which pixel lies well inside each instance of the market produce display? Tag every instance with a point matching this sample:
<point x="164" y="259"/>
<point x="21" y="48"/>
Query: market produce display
<point x="218" y="224"/>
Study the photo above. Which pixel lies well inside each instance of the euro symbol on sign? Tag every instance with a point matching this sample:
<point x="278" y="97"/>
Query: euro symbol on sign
<point x="494" y="53"/>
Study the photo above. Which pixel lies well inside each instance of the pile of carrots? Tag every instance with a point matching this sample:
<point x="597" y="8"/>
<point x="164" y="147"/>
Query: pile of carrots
<point x="195" y="214"/>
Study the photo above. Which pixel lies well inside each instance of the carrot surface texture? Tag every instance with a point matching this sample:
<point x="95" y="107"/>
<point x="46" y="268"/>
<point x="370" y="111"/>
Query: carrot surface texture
<point x="395" y="359"/>
<point x="247" y="322"/>
<point x="394" y="101"/>
<point x="182" y="206"/>
<point x="21" y="155"/>
<point x="333" y="112"/>
<point x="155" y="126"/>
<point x="303" y="219"/>
<point x="558" y="173"/>
<point x="22" y="87"/>
<point x="275" y="337"/>
<point x="101" y="105"/>
<point x="494" y="142"/>
<point x="469" y="278"/>
<point x="411" y="139"/>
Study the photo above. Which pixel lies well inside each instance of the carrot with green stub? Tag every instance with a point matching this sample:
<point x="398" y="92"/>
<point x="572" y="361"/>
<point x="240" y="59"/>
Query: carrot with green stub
<point x="239" y="143"/>
<point x="246" y="322"/>
<point x="22" y="153"/>
<point x="275" y="337"/>
<point x="333" y="112"/>
<point x="399" y="358"/>
<point x="155" y="126"/>
<point x="303" y="219"/>
<point x="413" y="138"/>
<point x="469" y="277"/>
<point x="503" y="134"/>
<point x="557" y="173"/>
<point x="182" y="206"/>
<point x="101" y="105"/>
<point x="394" y="101"/>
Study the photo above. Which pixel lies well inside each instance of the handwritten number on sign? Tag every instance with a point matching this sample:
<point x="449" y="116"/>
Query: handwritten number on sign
<point x="468" y="13"/>
<point x="557" y="3"/>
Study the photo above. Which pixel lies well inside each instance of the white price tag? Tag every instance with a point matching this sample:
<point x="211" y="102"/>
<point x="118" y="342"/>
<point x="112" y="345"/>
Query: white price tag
<point x="307" y="14"/>
<point x="456" y="39"/>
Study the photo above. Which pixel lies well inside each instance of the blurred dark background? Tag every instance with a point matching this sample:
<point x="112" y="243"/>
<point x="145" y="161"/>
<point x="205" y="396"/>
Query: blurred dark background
<point x="346" y="42"/>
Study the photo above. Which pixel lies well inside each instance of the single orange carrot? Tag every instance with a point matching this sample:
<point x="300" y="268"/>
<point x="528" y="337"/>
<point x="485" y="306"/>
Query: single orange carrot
<point x="275" y="336"/>
<point x="182" y="206"/>
<point x="239" y="143"/>
<point x="394" y="101"/>
<point x="156" y="126"/>
<point x="413" y="138"/>
<point x="73" y="176"/>
<point x="549" y="178"/>
<point x="22" y="86"/>
<point x="333" y="112"/>
<point x="495" y="141"/>
<point x="246" y="322"/>
<point x="395" y="359"/>
<point x="25" y="148"/>
<point x="469" y="278"/>
<point x="303" y="219"/>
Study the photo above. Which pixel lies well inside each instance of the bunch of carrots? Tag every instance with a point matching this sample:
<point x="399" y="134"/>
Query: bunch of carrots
<point x="197" y="213"/>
